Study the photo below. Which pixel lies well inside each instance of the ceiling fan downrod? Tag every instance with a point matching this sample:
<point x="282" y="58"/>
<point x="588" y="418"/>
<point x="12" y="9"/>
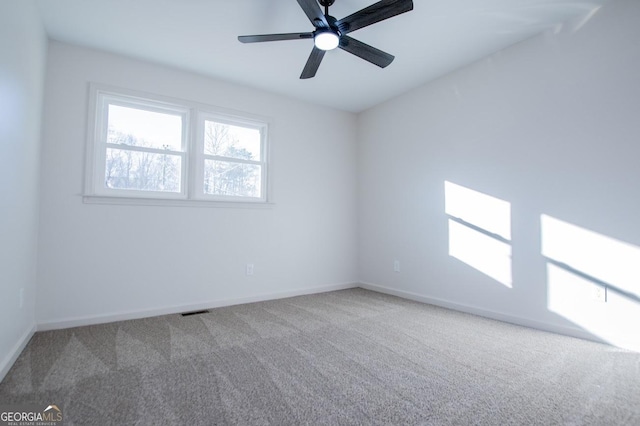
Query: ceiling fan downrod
<point x="326" y="4"/>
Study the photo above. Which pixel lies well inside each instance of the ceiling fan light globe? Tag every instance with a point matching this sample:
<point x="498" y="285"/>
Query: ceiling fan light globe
<point x="326" y="40"/>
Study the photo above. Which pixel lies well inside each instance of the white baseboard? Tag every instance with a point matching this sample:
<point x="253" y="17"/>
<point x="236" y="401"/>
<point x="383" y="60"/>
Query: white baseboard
<point x="168" y="310"/>
<point x="15" y="352"/>
<point x="526" y="322"/>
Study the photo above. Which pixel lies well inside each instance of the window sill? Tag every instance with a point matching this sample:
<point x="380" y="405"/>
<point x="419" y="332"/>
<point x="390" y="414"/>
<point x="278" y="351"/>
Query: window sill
<point x="133" y="201"/>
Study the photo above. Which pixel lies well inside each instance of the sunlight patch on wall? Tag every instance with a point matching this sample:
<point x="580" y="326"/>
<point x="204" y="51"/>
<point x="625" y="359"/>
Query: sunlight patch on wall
<point x="488" y="255"/>
<point x="574" y="298"/>
<point x="599" y="256"/>
<point x="482" y="210"/>
<point x="480" y="231"/>
<point x="593" y="280"/>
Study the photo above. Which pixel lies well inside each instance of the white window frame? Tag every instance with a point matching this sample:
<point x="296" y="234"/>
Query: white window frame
<point x="192" y="155"/>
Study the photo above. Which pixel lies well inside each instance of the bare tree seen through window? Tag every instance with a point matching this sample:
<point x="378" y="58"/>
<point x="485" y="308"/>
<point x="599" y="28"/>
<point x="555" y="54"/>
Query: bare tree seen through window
<point x="140" y="170"/>
<point x="223" y="174"/>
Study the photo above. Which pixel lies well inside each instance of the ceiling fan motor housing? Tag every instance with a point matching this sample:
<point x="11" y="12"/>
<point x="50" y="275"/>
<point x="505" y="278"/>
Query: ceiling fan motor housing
<point x="330" y="20"/>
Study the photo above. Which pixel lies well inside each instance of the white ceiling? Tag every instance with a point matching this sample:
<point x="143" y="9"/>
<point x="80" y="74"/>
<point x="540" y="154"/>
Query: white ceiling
<point x="437" y="37"/>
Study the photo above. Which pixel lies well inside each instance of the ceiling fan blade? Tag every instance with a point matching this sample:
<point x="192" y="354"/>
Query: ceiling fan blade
<point x="314" y="13"/>
<point x="366" y="52"/>
<point x="377" y="12"/>
<point x="313" y="63"/>
<point x="273" y="37"/>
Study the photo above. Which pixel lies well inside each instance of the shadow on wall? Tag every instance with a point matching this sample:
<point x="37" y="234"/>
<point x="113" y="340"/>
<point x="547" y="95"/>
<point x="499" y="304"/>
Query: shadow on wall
<point x="592" y="280"/>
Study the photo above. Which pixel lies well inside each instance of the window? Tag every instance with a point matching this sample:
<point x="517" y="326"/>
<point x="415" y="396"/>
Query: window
<point x="233" y="164"/>
<point x="156" y="149"/>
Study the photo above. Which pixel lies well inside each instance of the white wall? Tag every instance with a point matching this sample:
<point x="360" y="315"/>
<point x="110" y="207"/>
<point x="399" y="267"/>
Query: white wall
<point x="110" y="260"/>
<point x="551" y="125"/>
<point x="22" y="66"/>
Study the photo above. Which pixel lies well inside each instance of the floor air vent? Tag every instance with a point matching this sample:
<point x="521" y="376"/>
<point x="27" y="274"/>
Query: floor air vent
<point x="187" y="314"/>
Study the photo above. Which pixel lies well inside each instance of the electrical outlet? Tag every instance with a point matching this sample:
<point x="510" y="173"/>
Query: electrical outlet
<point x="21" y="297"/>
<point x="599" y="293"/>
<point x="396" y="266"/>
<point x="249" y="269"/>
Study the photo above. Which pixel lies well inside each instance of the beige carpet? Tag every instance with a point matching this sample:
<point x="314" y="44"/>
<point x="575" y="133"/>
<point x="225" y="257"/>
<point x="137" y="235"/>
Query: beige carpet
<point x="345" y="357"/>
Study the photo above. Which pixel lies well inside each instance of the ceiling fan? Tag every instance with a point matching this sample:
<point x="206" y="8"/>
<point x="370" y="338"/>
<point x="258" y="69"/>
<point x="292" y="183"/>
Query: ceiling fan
<point x="331" y="33"/>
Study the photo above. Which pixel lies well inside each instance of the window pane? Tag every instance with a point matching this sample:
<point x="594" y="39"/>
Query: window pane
<point x="235" y="179"/>
<point x="226" y="140"/>
<point x="132" y="126"/>
<point x="143" y="171"/>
